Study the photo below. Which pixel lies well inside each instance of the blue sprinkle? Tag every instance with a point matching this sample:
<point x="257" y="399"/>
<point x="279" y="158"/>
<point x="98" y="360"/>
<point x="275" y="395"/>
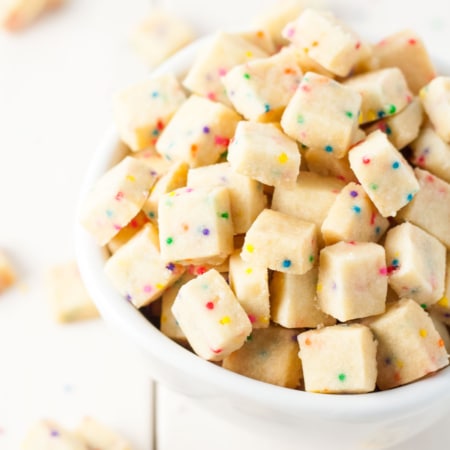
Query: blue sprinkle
<point x="395" y="262"/>
<point x="328" y="148"/>
<point x="286" y="263"/>
<point x="381" y="114"/>
<point x="356" y="208"/>
<point x="266" y="107"/>
<point x="395" y="165"/>
<point x="377" y="230"/>
<point x="155" y="94"/>
<point x="409" y="197"/>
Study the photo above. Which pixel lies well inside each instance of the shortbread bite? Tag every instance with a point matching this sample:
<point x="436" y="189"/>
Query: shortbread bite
<point x="195" y="225"/>
<point x="17" y="14"/>
<point x="402" y="128"/>
<point x="175" y="178"/>
<point x="98" y="436"/>
<point x="68" y="298"/>
<point x="416" y="264"/>
<point x="211" y="317"/>
<point x="353" y="217"/>
<point x="384" y="92"/>
<point x="261" y="38"/>
<point x="405" y="329"/>
<point x="281" y="242"/>
<point x="441" y="309"/>
<point x="293" y="301"/>
<point x="168" y="324"/>
<point x="269" y="355"/>
<point x="352" y="280"/>
<point x="116" y="198"/>
<point x="384" y="173"/>
<point x="327" y="40"/>
<point x="431" y="153"/>
<point x="127" y="232"/>
<point x="138" y="271"/>
<point x="143" y="110"/>
<point x="247" y="198"/>
<point x="310" y="199"/>
<point x="277" y="16"/>
<point x="7" y="272"/>
<point x="250" y="284"/>
<point x="261" y="89"/>
<point x="262" y="152"/>
<point x="49" y="435"/>
<point x="435" y="98"/>
<point x="339" y="359"/>
<point x="222" y="53"/>
<point x="434" y="198"/>
<point x="321" y="103"/>
<point x="159" y="36"/>
<point x="198" y="133"/>
<point x="406" y="50"/>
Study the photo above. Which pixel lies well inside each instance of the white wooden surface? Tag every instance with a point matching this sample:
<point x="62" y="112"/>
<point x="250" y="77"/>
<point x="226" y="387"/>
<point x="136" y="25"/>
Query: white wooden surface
<point x="56" y="82"/>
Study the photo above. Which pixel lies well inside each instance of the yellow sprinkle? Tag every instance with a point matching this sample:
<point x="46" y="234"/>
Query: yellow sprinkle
<point x="248" y="54"/>
<point x="360" y="117"/>
<point x="422" y="93"/>
<point x="249" y="270"/>
<point x="250" y="248"/>
<point x="159" y="286"/>
<point x="371" y="115"/>
<point x="443" y="302"/>
<point x="171" y="194"/>
<point x="225" y="320"/>
<point x="163" y="318"/>
<point x="131" y="178"/>
<point x="282" y="158"/>
<point x="264" y="319"/>
<point x="423" y="333"/>
<point x="399" y="364"/>
<point x="319" y="287"/>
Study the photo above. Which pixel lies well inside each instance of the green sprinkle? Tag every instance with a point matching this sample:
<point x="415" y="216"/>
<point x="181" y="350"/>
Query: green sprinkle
<point x="373" y="186"/>
<point x="342" y="377"/>
<point x="151" y="214"/>
<point x="247" y="76"/>
<point x="169" y="240"/>
<point x="311" y="258"/>
<point x="349" y="114"/>
<point x="392" y="109"/>
<point x="250" y="337"/>
<point x="300" y="119"/>
<point x="424" y="305"/>
<point x="224" y="215"/>
<point x="224" y="154"/>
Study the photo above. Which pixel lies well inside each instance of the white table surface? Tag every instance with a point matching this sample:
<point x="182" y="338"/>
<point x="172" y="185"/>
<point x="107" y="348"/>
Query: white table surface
<point x="56" y="82"/>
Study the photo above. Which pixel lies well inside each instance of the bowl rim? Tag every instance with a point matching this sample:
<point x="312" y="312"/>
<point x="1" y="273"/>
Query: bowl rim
<point x="123" y="316"/>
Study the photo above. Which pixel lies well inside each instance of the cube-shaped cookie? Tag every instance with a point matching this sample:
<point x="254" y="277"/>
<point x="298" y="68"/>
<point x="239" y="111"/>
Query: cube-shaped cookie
<point x="405" y="329"/>
<point x="293" y="301"/>
<point x="281" y="242"/>
<point x="441" y="309"/>
<point x="137" y="270"/>
<point x="160" y="35"/>
<point x="431" y="153"/>
<point x="384" y="173"/>
<point x="384" y="92"/>
<point x="319" y="104"/>
<point x="261" y="89"/>
<point x="402" y="128"/>
<point x="247" y="198"/>
<point x="406" y="50"/>
<point x="7" y="272"/>
<point x="211" y="317"/>
<point x="310" y="199"/>
<point x="352" y="280"/>
<point x="144" y="109"/>
<point x="195" y="225"/>
<point x="269" y="355"/>
<point x="263" y="152"/>
<point x="277" y="16"/>
<point x="327" y="40"/>
<point x="127" y="232"/>
<point x="97" y="435"/>
<point x="430" y="207"/>
<point x="416" y="262"/>
<point x="175" y="178"/>
<point x="435" y="98"/>
<point x="198" y="133"/>
<point x="222" y="53"/>
<point x="68" y="298"/>
<point x="339" y="359"/>
<point x="250" y="284"/>
<point x="49" y="435"/>
<point x="353" y="217"/>
<point x="116" y="198"/>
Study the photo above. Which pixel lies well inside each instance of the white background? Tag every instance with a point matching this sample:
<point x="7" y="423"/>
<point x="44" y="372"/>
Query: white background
<point x="56" y="83"/>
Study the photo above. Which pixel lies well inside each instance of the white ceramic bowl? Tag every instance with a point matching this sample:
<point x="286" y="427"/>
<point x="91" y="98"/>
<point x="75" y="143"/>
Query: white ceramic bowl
<point x="364" y="421"/>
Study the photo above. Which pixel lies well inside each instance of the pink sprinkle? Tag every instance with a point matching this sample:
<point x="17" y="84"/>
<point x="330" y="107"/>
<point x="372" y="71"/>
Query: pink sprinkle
<point x="222" y="140"/>
<point x="119" y="196"/>
<point x="412" y="41"/>
<point x="372" y="218"/>
<point x="357" y="45"/>
<point x="222" y="71"/>
<point x="383" y="271"/>
<point x="366" y="160"/>
<point x="216" y="351"/>
<point x="252" y="318"/>
<point x="430" y="178"/>
<point x="148" y="288"/>
<point x="117" y="227"/>
<point x="211" y="96"/>
<point x="290" y="32"/>
<point x="305" y="88"/>
<point x="351" y="242"/>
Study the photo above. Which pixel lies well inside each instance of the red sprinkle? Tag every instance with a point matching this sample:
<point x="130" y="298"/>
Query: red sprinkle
<point x="357" y="45"/>
<point x="216" y="351"/>
<point x="222" y="140"/>
<point x="366" y="160"/>
<point x="119" y="196"/>
<point x="412" y="41"/>
<point x="210" y="305"/>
